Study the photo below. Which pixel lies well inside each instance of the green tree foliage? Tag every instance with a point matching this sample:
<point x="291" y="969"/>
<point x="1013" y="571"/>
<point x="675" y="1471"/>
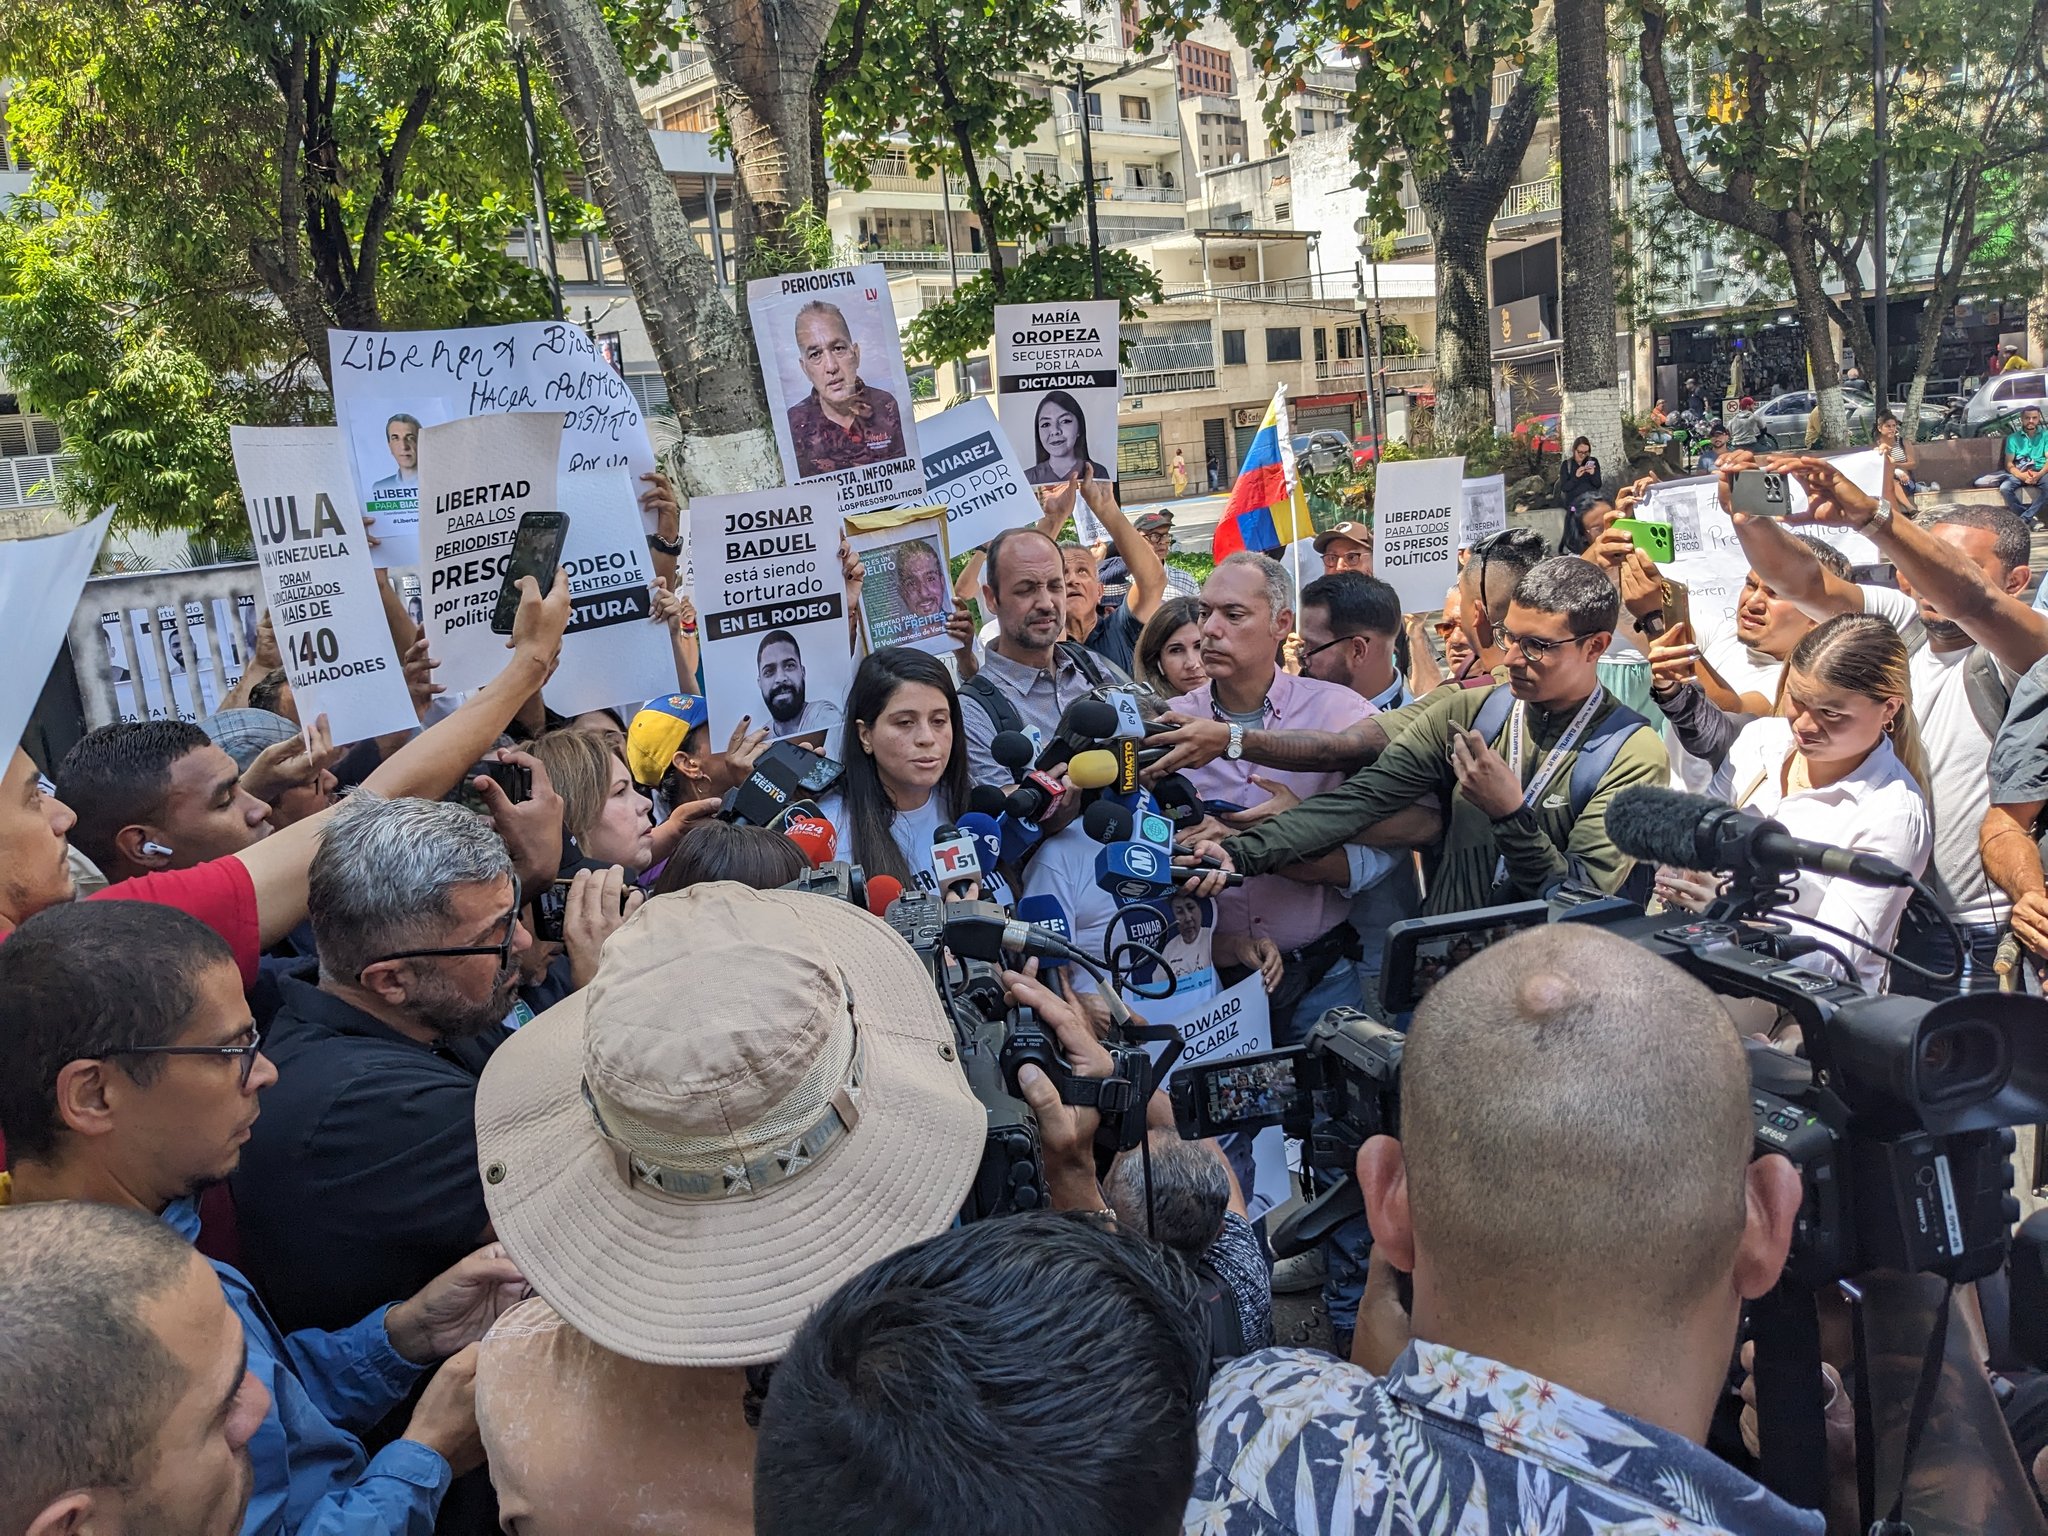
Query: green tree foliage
<point x="1423" y="105"/>
<point x="961" y="327"/>
<point x="1765" y="139"/>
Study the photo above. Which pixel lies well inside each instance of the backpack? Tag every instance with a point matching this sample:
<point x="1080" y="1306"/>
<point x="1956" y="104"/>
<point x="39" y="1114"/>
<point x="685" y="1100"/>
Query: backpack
<point x="1003" y="713"/>
<point x="1597" y="752"/>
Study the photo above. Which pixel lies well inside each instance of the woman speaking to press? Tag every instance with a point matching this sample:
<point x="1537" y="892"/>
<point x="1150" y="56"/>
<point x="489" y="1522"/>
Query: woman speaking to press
<point x="1838" y="764"/>
<point x="906" y="767"/>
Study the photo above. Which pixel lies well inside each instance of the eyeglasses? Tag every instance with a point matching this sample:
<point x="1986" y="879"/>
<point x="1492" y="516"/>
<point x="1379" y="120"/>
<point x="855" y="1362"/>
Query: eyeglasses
<point x="248" y="1052"/>
<point x="502" y="949"/>
<point x="1340" y="640"/>
<point x="1535" y="647"/>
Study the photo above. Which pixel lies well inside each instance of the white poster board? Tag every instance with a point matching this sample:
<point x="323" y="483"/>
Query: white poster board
<point x="382" y="379"/>
<point x="971" y="470"/>
<point x="1416" y="505"/>
<point x="838" y="392"/>
<point x="478" y="476"/>
<point x="613" y="654"/>
<point x="771" y="602"/>
<point x="1485" y="509"/>
<point x="1237" y="1023"/>
<point x="318" y="581"/>
<point x="40" y="580"/>
<point x="906" y="593"/>
<point x="1057" y="384"/>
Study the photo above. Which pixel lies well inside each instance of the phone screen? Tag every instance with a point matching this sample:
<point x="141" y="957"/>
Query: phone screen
<point x="536" y="551"/>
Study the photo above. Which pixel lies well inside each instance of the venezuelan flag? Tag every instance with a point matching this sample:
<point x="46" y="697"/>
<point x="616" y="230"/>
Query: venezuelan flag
<point x="1267" y="510"/>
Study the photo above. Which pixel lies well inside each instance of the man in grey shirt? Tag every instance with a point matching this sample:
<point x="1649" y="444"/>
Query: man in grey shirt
<point x="1030" y="666"/>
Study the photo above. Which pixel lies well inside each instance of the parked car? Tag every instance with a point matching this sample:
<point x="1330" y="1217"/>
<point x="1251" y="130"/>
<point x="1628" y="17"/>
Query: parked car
<point x="1323" y="451"/>
<point x="1365" y="449"/>
<point x="1544" y="433"/>
<point x="2001" y="398"/>
<point x="1785" y="418"/>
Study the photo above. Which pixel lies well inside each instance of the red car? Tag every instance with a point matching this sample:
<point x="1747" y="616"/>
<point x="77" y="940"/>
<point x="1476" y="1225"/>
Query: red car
<point x="1545" y="432"/>
<point x="1365" y="449"/>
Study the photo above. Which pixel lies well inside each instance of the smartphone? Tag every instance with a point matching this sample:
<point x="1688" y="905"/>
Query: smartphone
<point x="1760" y="493"/>
<point x="536" y="552"/>
<point x="517" y="782"/>
<point x="1653" y="539"/>
<point x="1246" y="1093"/>
<point x="551" y="905"/>
<point x="1677" y="605"/>
<point x="1883" y="574"/>
<point x="1221" y="807"/>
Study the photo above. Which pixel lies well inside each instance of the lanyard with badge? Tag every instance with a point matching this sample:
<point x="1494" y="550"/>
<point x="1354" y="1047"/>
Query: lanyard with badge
<point x="1551" y="763"/>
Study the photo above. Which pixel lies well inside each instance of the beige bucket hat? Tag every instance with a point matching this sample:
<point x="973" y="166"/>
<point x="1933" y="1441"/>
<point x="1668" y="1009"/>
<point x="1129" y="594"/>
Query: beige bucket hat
<point x="755" y="1098"/>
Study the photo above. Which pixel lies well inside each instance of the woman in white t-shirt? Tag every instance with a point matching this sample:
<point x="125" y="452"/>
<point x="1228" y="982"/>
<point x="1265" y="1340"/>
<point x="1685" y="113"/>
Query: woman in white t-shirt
<point x="906" y="767"/>
<point x="1839" y="764"/>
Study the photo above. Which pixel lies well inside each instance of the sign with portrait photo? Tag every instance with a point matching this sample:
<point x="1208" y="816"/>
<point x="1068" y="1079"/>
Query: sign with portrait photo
<point x="906" y="597"/>
<point x="771" y="605"/>
<point x="971" y="471"/>
<point x="838" y="392"/>
<point x="391" y="385"/>
<point x="1057" y="384"/>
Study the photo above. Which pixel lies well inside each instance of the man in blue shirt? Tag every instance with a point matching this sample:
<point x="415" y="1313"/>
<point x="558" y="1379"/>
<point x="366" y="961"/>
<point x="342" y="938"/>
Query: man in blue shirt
<point x="131" y="1078"/>
<point x="2025" y="461"/>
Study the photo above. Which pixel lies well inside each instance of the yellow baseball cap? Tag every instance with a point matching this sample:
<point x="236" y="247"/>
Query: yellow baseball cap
<point x="658" y="732"/>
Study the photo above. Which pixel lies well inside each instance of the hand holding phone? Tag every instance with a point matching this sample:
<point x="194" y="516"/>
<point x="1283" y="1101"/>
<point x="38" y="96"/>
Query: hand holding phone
<point x="1760" y="493"/>
<point x="1657" y="540"/>
<point x="536" y="552"/>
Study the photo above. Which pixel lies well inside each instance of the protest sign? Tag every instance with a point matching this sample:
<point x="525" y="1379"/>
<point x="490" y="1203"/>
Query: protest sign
<point x="838" y="392"/>
<point x="771" y="602"/>
<point x="1485" y="509"/>
<point x="1416" y="504"/>
<point x="613" y="654"/>
<point x="318" y="581"/>
<point x="1057" y="383"/>
<point x="478" y="476"/>
<point x="906" y="597"/>
<point x="40" y="580"/>
<point x="1237" y="1023"/>
<point x="971" y="471"/>
<point x="391" y="386"/>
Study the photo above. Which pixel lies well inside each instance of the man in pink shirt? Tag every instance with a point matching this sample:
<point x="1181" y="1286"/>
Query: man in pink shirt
<point x="1247" y="612"/>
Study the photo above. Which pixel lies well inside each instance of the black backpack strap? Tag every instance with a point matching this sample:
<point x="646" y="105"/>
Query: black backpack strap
<point x="1988" y="692"/>
<point x="1002" y="713"/>
<point x="1090" y="664"/>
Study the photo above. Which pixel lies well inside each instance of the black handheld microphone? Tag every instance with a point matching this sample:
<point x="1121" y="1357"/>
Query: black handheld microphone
<point x="765" y="796"/>
<point x="1695" y="832"/>
<point x="1086" y="723"/>
<point x="1108" y="822"/>
<point x="987" y="799"/>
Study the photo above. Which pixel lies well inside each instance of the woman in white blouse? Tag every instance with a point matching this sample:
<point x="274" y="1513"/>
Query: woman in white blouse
<point x="1840" y="764"/>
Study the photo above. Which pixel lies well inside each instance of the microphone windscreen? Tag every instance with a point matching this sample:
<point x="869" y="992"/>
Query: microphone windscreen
<point x="883" y="892"/>
<point x="1012" y="749"/>
<point x="820" y="844"/>
<point x="1089" y="720"/>
<point x="1661" y="825"/>
<point x="1108" y="822"/>
<point x="1176" y="791"/>
<point x="1095" y="769"/>
<point x="987" y="800"/>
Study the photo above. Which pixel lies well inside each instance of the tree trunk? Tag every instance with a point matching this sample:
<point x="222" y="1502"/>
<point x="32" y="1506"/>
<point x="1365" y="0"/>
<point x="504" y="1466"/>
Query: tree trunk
<point x="764" y="55"/>
<point x="696" y="334"/>
<point x="1592" y="402"/>
<point x="1810" y="304"/>
<point x="1464" y="372"/>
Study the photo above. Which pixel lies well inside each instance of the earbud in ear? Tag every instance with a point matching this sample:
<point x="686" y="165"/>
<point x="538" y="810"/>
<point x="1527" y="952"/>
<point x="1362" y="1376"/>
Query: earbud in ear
<point x="159" y="850"/>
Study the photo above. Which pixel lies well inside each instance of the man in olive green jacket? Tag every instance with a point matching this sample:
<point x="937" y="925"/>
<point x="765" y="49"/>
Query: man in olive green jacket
<point x="1511" y="832"/>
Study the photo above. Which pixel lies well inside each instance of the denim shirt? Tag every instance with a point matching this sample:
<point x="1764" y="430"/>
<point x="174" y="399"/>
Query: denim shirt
<point x="1294" y="1443"/>
<point x="312" y="1477"/>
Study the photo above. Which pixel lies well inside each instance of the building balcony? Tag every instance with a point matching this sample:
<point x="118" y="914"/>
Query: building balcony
<point x="1278" y="290"/>
<point x="1529" y="202"/>
<point x="1414" y="229"/>
<point x="895" y="176"/>
<point x="913" y="259"/>
<point x="1340" y="368"/>
<point x="1070" y="123"/>
<point x="1504" y="83"/>
<point x="678" y="81"/>
<point x="1142" y="195"/>
<point x="1149" y="357"/>
<point x="1177" y="381"/>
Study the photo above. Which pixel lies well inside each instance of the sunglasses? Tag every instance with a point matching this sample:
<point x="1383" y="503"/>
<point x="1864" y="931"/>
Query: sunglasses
<point x="247" y="1052"/>
<point x="502" y="949"/>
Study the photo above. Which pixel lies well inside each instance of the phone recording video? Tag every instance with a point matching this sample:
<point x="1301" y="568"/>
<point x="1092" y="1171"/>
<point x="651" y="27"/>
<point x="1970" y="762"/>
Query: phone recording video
<point x="536" y="552"/>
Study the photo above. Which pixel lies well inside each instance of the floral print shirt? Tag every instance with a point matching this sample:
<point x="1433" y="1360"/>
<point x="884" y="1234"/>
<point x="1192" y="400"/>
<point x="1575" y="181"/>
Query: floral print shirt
<point x="1295" y="1443"/>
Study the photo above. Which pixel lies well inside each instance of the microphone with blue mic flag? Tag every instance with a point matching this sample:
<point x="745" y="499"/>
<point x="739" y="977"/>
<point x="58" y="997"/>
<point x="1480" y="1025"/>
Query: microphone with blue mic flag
<point x="1050" y="913"/>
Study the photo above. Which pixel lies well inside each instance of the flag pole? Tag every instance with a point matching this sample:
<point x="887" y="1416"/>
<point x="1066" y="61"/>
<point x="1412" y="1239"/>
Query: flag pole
<point x="1291" y="471"/>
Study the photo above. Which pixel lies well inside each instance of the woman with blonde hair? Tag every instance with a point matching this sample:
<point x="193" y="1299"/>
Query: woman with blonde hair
<point x="1840" y="763"/>
<point x="604" y="813"/>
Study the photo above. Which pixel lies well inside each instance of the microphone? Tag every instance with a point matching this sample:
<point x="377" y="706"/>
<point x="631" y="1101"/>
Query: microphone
<point x="1086" y="722"/>
<point x="1004" y="941"/>
<point x="883" y="892"/>
<point x="1034" y="793"/>
<point x="987" y="799"/>
<point x="1108" y="822"/>
<point x="814" y="836"/>
<point x="765" y="795"/>
<point x="1094" y="769"/>
<point x="1133" y="871"/>
<point x="1013" y="750"/>
<point x="1050" y="913"/>
<point x="955" y="858"/>
<point x="1695" y="832"/>
<point x="1126" y="765"/>
<point x="1178" y="797"/>
<point x="987" y="833"/>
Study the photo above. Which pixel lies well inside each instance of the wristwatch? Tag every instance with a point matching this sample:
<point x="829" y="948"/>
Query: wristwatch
<point x="1236" y="748"/>
<point x="673" y="548"/>
<point x="1882" y="517"/>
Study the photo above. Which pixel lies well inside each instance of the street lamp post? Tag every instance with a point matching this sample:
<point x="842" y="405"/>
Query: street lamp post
<point x="1083" y="84"/>
<point x="520" y="28"/>
<point x="1880" y="328"/>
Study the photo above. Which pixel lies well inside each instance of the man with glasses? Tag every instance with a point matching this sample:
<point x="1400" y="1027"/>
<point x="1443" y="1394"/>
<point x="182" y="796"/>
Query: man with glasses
<point x="131" y="1079"/>
<point x="1348" y="624"/>
<point x="360" y="1181"/>
<point x="1516" y="826"/>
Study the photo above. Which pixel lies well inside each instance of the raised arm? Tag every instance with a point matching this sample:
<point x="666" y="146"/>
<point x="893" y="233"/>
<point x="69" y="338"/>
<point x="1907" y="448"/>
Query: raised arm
<point x="1147" y="570"/>
<point x="429" y="765"/>
<point x="1780" y="561"/>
